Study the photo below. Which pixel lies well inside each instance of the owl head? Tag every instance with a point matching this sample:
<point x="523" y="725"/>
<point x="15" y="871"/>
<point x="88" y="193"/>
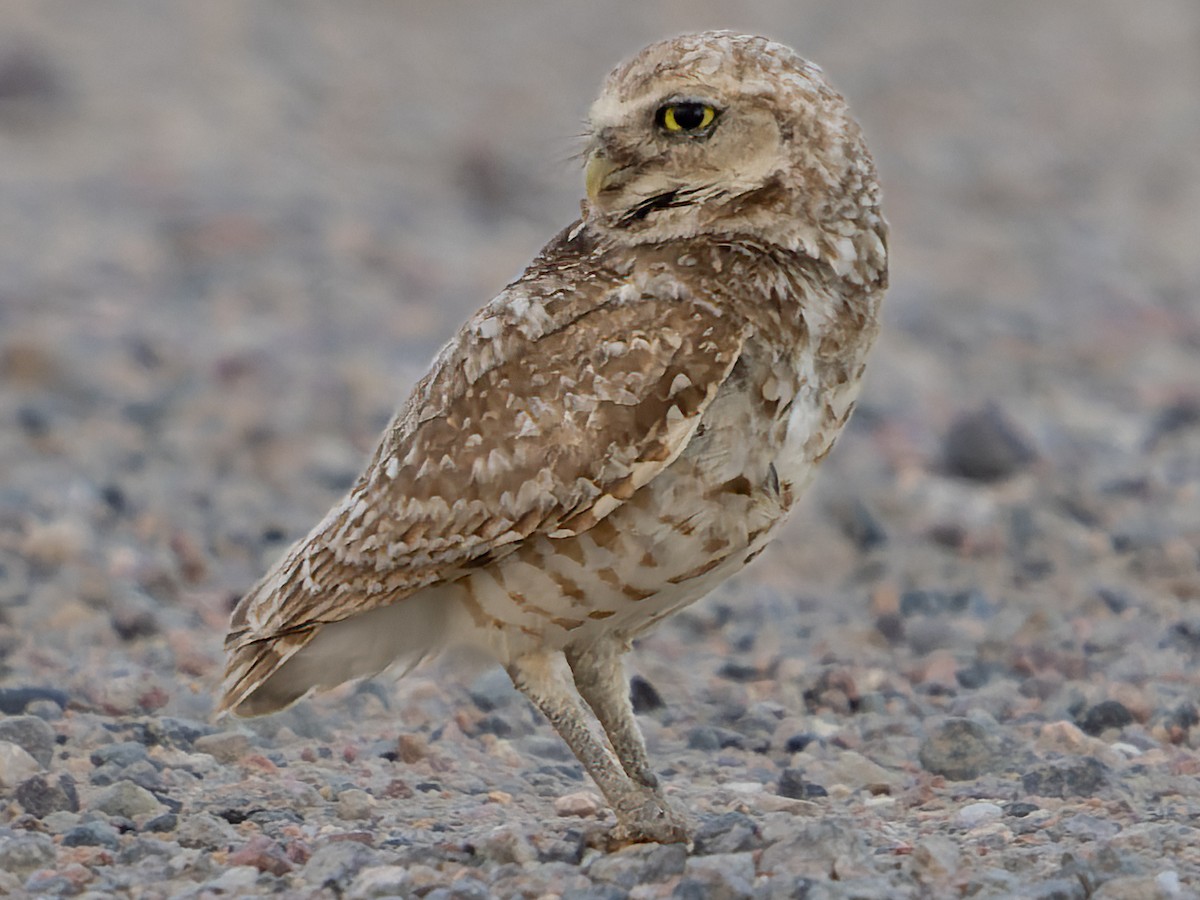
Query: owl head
<point x="730" y="135"/>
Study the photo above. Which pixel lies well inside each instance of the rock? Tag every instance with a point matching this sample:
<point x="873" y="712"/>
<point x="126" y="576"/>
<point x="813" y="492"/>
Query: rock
<point x="935" y="859"/>
<point x="44" y="794"/>
<point x="14" y="701"/>
<point x="204" y="831"/>
<point x="1057" y="889"/>
<point x="1104" y="715"/>
<point x="855" y="771"/>
<point x="703" y="737"/>
<point x="334" y="866"/>
<point x="412" y="748"/>
<point x="820" y="850"/>
<point x="1090" y="828"/>
<point x="507" y="844"/>
<point x="986" y="446"/>
<point x="92" y="834"/>
<point x="16" y="765"/>
<point x="493" y="690"/>
<point x="160" y="824"/>
<point x="644" y="695"/>
<point x="380" y="881"/>
<point x="355" y="804"/>
<point x="1080" y="777"/>
<point x="262" y="853"/>
<point x="566" y="848"/>
<point x="583" y="804"/>
<point x="464" y="889"/>
<point x="960" y="750"/>
<point x="639" y="865"/>
<point x="128" y="800"/>
<point x="721" y="876"/>
<point x="792" y="784"/>
<point x="60" y="822"/>
<point x="238" y="881"/>
<point x="1019" y="809"/>
<point x="730" y="832"/>
<point x="21" y="854"/>
<point x="122" y="754"/>
<point x="977" y="813"/>
<point x="31" y="734"/>
<point x="224" y="746"/>
<point x="1136" y="887"/>
<point x="177" y="733"/>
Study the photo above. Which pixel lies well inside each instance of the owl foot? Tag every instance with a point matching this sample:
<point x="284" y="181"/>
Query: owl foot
<point x="654" y="823"/>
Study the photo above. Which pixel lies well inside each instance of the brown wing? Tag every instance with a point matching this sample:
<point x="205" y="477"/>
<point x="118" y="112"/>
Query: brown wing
<point x="551" y="407"/>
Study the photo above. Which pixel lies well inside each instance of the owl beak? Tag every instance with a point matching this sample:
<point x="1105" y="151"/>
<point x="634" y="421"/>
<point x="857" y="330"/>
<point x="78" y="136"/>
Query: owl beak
<point x="596" y="177"/>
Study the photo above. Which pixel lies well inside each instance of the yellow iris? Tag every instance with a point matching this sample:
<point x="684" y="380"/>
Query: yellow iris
<point x="682" y="117"/>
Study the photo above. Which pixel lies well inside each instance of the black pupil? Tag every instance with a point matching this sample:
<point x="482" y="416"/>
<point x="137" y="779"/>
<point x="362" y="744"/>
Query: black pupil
<point x="689" y="116"/>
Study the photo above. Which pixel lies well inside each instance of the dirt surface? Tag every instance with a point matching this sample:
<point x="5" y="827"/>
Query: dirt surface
<point x="234" y="234"/>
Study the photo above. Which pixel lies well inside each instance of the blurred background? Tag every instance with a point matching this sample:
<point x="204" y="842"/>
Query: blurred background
<point x="234" y="234"/>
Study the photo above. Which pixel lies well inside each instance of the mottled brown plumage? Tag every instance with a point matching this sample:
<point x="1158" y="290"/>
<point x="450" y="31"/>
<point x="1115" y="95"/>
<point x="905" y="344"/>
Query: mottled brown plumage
<point x="622" y="428"/>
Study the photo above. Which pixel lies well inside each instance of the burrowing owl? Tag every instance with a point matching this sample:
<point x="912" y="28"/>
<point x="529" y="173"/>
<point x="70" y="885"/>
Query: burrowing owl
<point x="622" y="428"/>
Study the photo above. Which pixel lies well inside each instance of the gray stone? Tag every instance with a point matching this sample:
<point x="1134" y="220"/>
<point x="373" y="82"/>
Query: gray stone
<point x="178" y="733"/>
<point x="60" y="822"/>
<point x="986" y="445"/>
<point x="1057" y="889"/>
<point x="44" y="794"/>
<point x="826" y="849"/>
<point x="1080" y="777"/>
<point x="1091" y="828"/>
<point x="204" y="831"/>
<point x="977" y="813"/>
<point x="961" y="750"/>
<point x="506" y="844"/>
<point x="121" y="754"/>
<point x="25" y="853"/>
<point x="92" y="834"/>
<point x="380" y="881"/>
<point x="337" y="864"/>
<point x="935" y="859"/>
<point x="721" y="876"/>
<point x="129" y="800"/>
<point x="31" y="734"/>
<point x="1104" y="715"/>
<point x="224" y="746"/>
<point x="642" y="864"/>
<point x="355" y="804"/>
<point x="727" y="833"/>
<point x="469" y="889"/>
<point x="235" y="881"/>
<point x="494" y="690"/>
<point x="16" y="765"/>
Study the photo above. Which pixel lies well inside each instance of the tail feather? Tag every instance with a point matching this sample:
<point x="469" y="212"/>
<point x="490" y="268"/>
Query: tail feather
<point x="267" y="674"/>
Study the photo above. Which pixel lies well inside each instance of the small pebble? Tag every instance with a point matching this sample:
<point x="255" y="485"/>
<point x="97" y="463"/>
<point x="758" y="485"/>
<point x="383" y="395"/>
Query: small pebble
<point x="224" y="746"/>
<point x="978" y="813"/>
<point x="583" y="804"/>
<point x="380" y="882"/>
<point x="128" y="800"/>
<point x="986" y="445"/>
<point x="42" y="795"/>
<point x="960" y="749"/>
<point x="16" y="764"/>
<point x="30" y="733"/>
<point x="355" y="804"/>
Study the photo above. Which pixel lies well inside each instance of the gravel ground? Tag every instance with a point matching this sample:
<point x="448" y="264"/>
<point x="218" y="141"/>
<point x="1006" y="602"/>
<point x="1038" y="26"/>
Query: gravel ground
<point x="235" y="232"/>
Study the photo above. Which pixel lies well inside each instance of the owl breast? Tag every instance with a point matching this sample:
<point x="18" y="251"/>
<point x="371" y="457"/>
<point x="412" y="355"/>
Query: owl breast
<point x="700" y="521"/>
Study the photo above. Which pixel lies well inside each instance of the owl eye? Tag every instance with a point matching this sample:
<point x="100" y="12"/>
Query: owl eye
<point x="685" y="118"/>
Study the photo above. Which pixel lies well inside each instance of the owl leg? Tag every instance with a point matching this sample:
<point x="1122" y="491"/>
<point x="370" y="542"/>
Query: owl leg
<point x="545" y="678"/>
<point x="600" y="677"/>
